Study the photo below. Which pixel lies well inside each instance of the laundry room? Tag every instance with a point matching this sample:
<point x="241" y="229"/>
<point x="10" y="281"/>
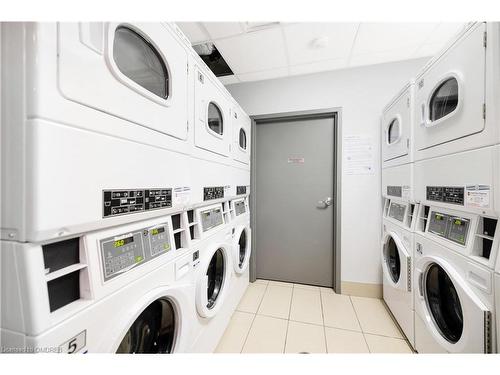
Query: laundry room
<point x="302" y="187"/>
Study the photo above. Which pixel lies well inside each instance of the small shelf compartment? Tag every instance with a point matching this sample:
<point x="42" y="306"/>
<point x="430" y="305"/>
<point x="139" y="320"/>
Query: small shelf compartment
<point x="484" y="237"/>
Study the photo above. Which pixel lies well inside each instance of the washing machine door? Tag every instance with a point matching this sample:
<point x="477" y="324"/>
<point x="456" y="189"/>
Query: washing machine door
<point x="396" y="262"/>
<point x="454" y="315"/>
<point x="242" y="248"/>
<point x="154" y="330"/>
<point x="213" y="282"/>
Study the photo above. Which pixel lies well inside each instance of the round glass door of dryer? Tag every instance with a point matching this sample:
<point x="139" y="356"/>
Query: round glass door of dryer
<point x="392" y="259"/>
<point x="215" y="277"/>
<point x="153" y="332"/>
<point x="443" y="303"/>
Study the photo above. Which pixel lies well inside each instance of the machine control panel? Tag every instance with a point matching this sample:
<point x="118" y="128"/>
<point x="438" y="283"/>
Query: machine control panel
<point x="211" y="218"/>
<point x="239" y="208"/>
<point x="241" y="190"/>
<point x="395" y="191"/>
<point x="123" y="202"/>
<point x="214" y="192"/>
<point x="450" y="227"/>
<point x="446" y="194"/>
<point x="124" y="252"/>
<point x="159" y="240"/>
<point x="397" y="211"/>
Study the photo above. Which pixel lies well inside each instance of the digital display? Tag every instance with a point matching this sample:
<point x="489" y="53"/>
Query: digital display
<point x="123" y="241"/>
<point x="156" y="231"/>
<point x="439" y="217"/>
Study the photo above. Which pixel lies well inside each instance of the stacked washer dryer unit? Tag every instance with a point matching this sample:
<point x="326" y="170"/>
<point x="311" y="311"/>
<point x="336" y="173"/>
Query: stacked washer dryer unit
<point x="457" y="159"/>
<point x="94" y="255"/>
<point x="220" y="165"/>
<point x="399" y="209"/>
<point x="96" y="188"/>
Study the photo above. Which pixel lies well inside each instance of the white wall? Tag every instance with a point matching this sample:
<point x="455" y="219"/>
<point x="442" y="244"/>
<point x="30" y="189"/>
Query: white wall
<point x="362" y="93"/>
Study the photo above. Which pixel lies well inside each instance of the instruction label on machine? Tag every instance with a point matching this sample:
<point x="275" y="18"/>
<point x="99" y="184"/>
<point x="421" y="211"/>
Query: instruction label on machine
<point x="181" y="195"/>
<point x="477" y="196"/>
<point x="406" y="192"/>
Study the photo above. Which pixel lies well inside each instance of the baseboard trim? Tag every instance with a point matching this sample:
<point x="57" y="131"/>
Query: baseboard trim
<point x="361" y="289"/>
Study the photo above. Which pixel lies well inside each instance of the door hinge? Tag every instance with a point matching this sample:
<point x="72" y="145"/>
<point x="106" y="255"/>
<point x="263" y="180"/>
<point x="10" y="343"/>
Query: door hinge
<point x="487" y="332"/>
<point x="408" y="275"/>
<point x="187" y="68"/>
<point x="407" y="142"/>
<point x="484" y="111"/>
<point x="485" y="39"/>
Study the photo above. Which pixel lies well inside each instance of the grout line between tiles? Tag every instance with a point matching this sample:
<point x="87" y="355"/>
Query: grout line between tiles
<point x="360" y="326"/>
<point x="288" y="324"/>
<point x="323" y="316"/>
<point x="253" y="320"/>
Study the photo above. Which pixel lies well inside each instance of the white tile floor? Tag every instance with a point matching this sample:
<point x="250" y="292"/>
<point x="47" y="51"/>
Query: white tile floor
<point x="277" y="317"/>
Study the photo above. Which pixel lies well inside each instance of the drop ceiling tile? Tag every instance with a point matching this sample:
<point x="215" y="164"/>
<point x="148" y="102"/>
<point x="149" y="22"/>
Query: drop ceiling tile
<point x="254" y="52"/>
<point x="399" y="54"/>
<point x="228" y="80"/>
<point x="334" y="41"/>
<point x="194" y="31"/>
<point x="219" y="30"/>
<point x="379" y="37"/>
<point x="319" y="66"/>
<point x="266" y="74"/>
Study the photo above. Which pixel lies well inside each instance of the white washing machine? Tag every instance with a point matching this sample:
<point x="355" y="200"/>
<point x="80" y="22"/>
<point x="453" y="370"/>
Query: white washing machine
<point x="121" y="138"/>
<point x="397" y="256"/>
<point x="242" y="247"/>
<point x="127" y="290"/>
<point x="497" y="301"/>
<point x="397" y="129"/>
<point x="213" y="275"/>
<point x="453" y="278"/>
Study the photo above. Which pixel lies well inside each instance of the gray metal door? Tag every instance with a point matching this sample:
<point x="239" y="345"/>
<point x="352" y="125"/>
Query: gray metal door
<point x="294" y="183"/>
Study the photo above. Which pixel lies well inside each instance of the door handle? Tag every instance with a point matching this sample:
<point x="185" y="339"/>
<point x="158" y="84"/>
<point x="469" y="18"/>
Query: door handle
<point x="328" y="201"/>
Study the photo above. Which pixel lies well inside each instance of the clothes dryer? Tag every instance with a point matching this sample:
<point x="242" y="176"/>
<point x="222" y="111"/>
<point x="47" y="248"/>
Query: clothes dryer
<point x="213" y="274"/>
<point x="242" y="137"/>
<point x="127" y="290"/>
<point x="452" y="92"/>
<point x="397" y="129"/>
<point x="454" y="299"/>
<point x="213" y="122"/>
<point x="99" y="145"/>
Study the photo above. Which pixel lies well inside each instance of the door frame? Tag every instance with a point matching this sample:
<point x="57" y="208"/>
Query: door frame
<point x="336" y="115"/>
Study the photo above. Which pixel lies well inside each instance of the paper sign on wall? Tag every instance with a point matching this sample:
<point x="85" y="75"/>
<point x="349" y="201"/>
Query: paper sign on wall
<point x="358" y="155"/>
